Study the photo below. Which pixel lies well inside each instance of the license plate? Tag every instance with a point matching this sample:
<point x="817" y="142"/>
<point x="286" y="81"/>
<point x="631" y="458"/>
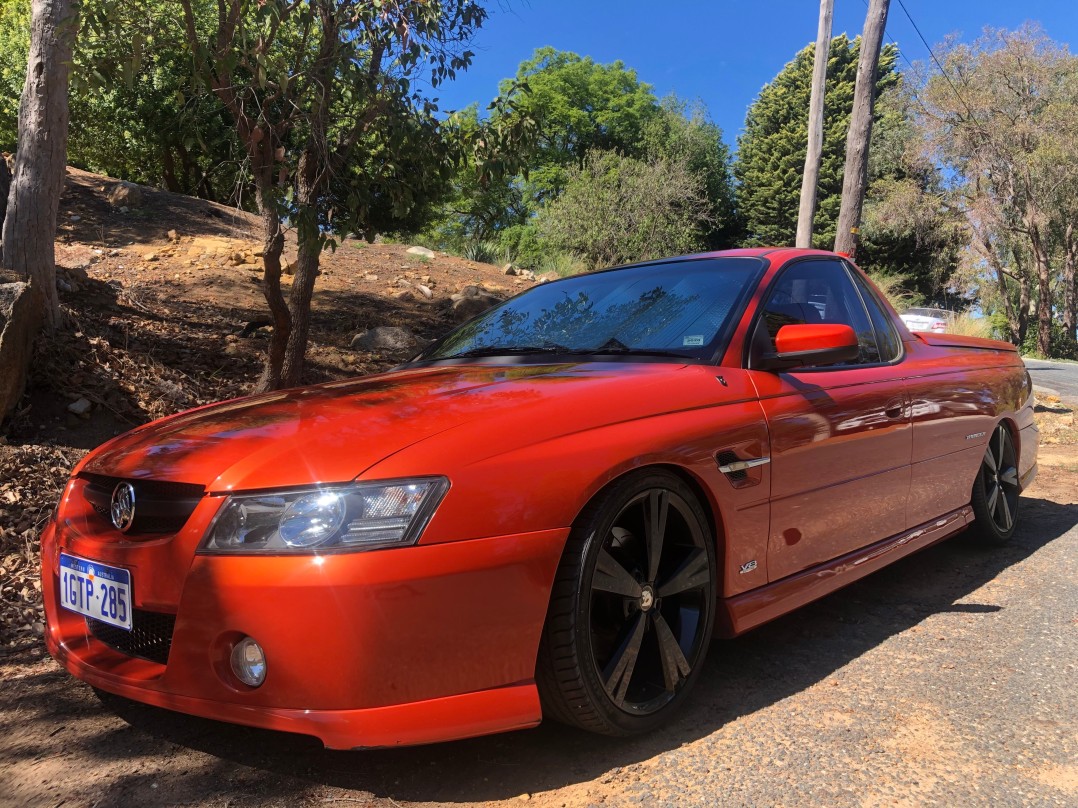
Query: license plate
<point x="96" y="590"/>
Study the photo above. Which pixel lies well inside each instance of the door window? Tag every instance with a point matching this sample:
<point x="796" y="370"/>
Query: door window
<point x="886" y="336"/>
<point x="817" y="292"/>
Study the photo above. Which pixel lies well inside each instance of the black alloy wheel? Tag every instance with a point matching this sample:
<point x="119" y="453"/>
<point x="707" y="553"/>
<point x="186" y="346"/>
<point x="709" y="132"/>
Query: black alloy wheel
<point x="632" y="609"/>
<point x="995" y="491"/>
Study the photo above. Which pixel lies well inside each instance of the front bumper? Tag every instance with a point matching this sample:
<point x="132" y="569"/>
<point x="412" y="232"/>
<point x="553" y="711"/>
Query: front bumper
<point x="373" y="649"/>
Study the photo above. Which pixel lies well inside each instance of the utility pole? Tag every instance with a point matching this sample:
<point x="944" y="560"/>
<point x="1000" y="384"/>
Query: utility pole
<point x="855" y="178"/>
<point x="811" y="177"/>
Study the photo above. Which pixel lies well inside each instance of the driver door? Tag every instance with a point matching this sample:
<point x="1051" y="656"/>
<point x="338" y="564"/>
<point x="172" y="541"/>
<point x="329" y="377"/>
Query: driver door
<point x="841" y="438"/>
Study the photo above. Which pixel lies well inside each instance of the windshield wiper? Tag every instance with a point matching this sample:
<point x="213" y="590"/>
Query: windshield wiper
<point x="511" y="350"/>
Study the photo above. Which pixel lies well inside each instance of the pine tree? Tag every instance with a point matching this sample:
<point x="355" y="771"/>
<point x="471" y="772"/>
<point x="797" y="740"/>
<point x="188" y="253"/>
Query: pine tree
<point x="771" y="151"/>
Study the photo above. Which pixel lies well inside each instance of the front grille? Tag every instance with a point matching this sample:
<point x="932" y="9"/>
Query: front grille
<point x="160" y="506"/>
<point x="151" y="637"/>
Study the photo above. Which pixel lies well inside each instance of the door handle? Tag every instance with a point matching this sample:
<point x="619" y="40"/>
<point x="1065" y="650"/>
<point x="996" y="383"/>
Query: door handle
<point x="895" y="409"/>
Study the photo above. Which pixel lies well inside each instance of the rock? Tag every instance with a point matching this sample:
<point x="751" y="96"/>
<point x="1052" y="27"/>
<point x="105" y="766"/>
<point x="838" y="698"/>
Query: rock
<point x="468" y="307"/>
<point x="369" y="277"/>
<point x="405" y="296"/>
<point x="470" y="291"/>
<point x="425" y="291"/>
<point x="18" y="326"/>
<point x="80" y="407"/>
<point x="233" y="349"/>
<point x="150" y="257"/>
<point x="404" y="283"/>
<point x="420" y="251"/>
<point x="527" y="274"/>
<point x="74" y="218"/>
<point x="385" y="338"/>
<point x="288" y="267"/>
<point x="125" y="195"/>
<point x="546" y="277"/>
<point x="173" y="235"/>
<point x="509" y="269"/>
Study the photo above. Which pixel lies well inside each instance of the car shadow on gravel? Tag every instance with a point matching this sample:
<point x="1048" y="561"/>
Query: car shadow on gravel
<point x="741" y="676"/>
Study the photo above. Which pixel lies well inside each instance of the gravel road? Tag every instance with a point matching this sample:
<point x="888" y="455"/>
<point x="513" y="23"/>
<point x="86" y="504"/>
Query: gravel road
<point x="947" y="679"/>
<point x="1059" y="377"/>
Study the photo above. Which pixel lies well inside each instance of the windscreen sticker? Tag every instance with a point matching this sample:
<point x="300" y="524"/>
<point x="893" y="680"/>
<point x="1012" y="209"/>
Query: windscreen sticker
<point x="695" y="339"/>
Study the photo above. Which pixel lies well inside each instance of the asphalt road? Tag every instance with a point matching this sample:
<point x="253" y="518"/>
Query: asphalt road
<point x="1058" y="377"/>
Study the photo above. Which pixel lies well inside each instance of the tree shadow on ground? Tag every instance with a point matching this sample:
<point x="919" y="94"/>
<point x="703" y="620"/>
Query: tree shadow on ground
<point x="741" y="676"/>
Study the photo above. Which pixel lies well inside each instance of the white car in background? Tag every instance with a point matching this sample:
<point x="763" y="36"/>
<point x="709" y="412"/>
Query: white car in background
<point x="935" y="320"/>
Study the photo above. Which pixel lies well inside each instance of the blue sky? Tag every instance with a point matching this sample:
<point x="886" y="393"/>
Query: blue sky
<point x="722" y="51"/>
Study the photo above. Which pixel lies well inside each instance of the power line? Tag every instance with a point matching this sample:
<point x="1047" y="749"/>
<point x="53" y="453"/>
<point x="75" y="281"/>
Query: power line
<point x="931" y="53"/>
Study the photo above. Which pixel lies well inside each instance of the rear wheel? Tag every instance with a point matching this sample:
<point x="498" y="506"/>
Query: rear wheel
<point x="995" y="491"/>
<point x="632" y="608"/>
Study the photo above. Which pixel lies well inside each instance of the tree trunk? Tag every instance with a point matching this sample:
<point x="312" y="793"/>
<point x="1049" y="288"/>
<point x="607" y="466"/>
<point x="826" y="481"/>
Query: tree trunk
<point x="810" y="179"/>
<point x="855" y="177"/>
<point x="5" y="189"/>
<point x="272" y="247"/>
<point x="29" y="233"/>
<point x="1044" y="291"/>
<point x="1070" y="286"/>
<point x="309" y="255"/>
<point x="1024" y="296"/>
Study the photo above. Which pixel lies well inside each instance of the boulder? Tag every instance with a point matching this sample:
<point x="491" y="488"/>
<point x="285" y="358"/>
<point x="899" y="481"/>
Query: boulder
<point x="18" y="326"/>
<point x="125" y="195"/>
<point x="423" y="251"/>
<point x="425" y="291"/>
<point x="468" y="307"/>
<point x="385" y="338"/>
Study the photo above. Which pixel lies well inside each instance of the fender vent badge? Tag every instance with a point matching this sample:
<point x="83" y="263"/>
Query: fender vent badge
<point x="748" y="566"/>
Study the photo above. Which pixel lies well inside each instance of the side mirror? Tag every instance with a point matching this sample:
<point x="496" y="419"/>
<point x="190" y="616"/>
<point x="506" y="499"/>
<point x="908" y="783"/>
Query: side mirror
<point x="811" y="345"/>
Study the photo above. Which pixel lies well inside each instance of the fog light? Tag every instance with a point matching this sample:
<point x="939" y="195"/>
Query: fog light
<point x="249" y="662"/>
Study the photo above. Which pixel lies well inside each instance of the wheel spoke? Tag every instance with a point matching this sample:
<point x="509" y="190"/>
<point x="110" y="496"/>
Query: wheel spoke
<point x="658" y="506"/>
<point x="990" y="460"/>
<point x="1001" y="431"/>
<point x="619" y="671"/>
<point x="675" y="666"/>
<point x="992" y="497"/>
<point x="1009" y="475"/>
<point x="1007" y="518"/>
<point x="610" y="576"/>
<point x="692" y="574"/>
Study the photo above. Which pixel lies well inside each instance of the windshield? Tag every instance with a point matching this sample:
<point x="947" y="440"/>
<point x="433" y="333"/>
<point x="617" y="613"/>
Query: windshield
<point x="679" y="309"/>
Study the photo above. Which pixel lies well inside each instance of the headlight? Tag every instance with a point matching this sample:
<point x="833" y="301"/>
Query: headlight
<point x="362" y="516"/>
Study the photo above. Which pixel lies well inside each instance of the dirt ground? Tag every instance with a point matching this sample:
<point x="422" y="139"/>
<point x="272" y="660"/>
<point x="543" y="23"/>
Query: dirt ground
<point x="946" y="679"/>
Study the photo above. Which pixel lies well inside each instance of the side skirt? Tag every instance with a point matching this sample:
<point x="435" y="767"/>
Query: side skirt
<point x="740" y="613"/>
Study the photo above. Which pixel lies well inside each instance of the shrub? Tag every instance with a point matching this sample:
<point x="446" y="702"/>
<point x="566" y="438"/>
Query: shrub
<point x="616" y="210"/>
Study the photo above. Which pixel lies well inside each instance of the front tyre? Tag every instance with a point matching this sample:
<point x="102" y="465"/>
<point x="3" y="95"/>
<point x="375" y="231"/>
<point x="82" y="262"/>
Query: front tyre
<point x="632" y="608"/>
<point x="995" y="491"/>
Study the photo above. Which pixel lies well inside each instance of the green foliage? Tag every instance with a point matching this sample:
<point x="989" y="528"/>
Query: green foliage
<point x="896" y="289"/>
<point x="1060" y="346"/>
<point x="684" y="133"/>
<point x="14" y="49"/>
<point x="910" y="227"/>
<point x="616" y="209"/>
<point x="582" y="106"/>
<point x="771" y="151"/>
